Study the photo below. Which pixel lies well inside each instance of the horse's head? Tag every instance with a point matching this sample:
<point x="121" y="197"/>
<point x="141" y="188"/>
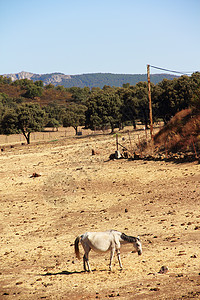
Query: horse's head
<point x="137" y="245"/>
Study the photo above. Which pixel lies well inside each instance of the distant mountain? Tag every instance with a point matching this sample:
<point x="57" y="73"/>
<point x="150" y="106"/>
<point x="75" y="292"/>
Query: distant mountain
<point x="89" y="80"/>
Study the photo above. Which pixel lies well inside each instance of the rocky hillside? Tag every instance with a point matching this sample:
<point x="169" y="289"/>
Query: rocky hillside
<point x="89" y="80"/>
<point x="53" y="78"/>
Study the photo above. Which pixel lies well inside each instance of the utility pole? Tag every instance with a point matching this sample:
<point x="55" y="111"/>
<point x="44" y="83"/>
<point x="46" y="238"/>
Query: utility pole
<point x="150" y="105"/>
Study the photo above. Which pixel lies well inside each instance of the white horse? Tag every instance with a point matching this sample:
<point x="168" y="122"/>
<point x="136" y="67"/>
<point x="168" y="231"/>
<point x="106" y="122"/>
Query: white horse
<point x="104" y="241"/>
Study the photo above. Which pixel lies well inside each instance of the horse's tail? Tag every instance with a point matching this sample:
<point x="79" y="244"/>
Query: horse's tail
<point x="76" y="247"/>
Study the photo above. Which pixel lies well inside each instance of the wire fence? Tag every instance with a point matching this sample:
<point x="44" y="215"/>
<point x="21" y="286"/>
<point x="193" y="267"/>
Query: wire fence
<point x="47" y="135"/>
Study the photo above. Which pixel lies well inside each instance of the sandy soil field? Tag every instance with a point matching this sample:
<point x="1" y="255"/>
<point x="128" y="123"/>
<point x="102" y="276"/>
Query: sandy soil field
<point x="79" y="192"/>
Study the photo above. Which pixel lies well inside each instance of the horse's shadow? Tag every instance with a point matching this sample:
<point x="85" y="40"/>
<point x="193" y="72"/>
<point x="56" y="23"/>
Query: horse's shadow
<point x="71" y="273"/>
<point x="62" y="273"/>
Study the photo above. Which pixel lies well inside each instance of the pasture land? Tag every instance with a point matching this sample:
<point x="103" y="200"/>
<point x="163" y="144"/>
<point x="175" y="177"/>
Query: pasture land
<point x="79" y="192"/>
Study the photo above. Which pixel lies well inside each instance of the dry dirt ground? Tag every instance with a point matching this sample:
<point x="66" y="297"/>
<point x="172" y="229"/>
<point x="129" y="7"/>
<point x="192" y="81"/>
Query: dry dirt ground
<point x="79" y="192"/>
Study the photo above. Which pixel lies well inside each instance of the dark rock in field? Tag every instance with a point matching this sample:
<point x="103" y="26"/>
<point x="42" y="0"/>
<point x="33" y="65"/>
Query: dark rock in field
<point x="154" y="289"/>
<point x="95" y="152"/>
<point x="163" y="270"/>
<point x="34" y="175"/>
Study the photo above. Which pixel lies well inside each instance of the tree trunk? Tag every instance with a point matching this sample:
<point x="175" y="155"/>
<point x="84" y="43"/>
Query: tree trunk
<point x="27" y="136"/>
<point x="76" y="129"/>
<point x="112" y="127"/>
<point x="121" y="126"/>
<point x="134" y="124"/>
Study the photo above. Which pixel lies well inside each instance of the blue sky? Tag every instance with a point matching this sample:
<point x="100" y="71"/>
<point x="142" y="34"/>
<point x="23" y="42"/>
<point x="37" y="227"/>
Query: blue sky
<point x="89" y="36"/>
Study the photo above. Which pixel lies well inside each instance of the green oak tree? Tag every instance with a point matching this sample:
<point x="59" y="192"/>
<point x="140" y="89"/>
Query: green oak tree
<point x="30" y="118"/>
<point x="103" y="108"/>
<point x="74" y="116"/>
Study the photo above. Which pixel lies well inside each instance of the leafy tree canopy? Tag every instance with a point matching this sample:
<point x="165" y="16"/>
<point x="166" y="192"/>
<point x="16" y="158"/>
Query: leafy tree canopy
<point x="30" y="118"/>
<point x="102" y="109"/>
<point x="75" y="116"/>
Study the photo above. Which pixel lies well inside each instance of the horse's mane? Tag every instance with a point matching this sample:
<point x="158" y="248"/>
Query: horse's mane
<point x="127" y="238"/>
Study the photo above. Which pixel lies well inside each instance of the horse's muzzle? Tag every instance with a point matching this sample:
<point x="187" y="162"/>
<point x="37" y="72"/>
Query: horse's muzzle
<point x="139" y="252"/>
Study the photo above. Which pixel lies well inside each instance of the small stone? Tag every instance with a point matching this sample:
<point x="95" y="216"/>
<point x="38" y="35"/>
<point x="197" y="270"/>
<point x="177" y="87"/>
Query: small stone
<point x="34" y="175"/>
<point x="163" y="270"/>
<point x="154" y="289"/>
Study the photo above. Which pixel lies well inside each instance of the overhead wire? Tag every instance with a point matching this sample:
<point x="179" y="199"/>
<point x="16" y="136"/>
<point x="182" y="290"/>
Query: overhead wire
<point x="178" y="72"/>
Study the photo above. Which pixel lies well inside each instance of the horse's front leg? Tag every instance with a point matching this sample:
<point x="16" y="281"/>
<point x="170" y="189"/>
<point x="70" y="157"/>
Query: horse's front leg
<point x="119" y="258"/>
<point x="112" y="252"/>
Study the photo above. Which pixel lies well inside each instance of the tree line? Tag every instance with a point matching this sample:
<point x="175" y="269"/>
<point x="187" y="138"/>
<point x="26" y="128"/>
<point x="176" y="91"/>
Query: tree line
<point x="27" y="106"/>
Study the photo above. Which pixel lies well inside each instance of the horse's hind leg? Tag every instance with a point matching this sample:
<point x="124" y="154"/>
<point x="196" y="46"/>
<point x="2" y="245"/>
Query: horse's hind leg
<point x="87" y="249"/>
<point x="88" y="265"/>
<point x="86" y="262"/>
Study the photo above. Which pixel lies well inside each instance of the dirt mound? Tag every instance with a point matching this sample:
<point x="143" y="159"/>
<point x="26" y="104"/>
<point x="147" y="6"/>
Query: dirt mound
<point x="182" y="133"/>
